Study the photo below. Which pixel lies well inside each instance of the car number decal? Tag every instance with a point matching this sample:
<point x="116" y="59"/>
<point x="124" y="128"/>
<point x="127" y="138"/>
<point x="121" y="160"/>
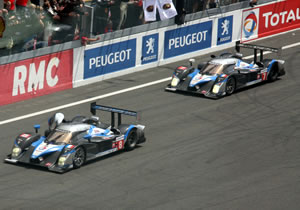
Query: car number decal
<point x="118" y="144"/>
<point x="264" y="76"/>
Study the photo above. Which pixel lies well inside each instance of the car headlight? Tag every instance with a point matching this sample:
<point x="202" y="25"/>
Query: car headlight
<point x="16" y="151"/>
<point x="174" y="81"/>
<point x="216" y="89"/>
<point x="61" y="161"/>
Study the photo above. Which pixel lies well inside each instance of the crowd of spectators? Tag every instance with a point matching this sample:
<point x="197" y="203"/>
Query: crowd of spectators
<point x="112" y="15"/>
<point x="32" y="24"/>
<point x="201" y="5"/>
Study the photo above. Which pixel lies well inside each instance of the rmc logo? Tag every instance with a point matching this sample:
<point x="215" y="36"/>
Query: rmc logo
<point x="250" y="24"/>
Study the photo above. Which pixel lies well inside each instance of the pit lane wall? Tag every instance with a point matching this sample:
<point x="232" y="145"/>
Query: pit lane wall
<point x="72" y="68"/>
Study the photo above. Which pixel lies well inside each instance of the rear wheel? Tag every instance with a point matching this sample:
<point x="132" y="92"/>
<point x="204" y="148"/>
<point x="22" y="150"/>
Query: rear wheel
<point x="230" y="86"/>
<point x="273" y="75"/>
<point x="132" y="140"/>
<point x="79" y="157"/>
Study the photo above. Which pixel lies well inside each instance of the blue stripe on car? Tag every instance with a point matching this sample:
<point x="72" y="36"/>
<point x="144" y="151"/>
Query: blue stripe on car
<point x="128" y="131"/>
<point x="194" y="73"/>
<point x="271" y="64"/>
<point x="38" y="142"/>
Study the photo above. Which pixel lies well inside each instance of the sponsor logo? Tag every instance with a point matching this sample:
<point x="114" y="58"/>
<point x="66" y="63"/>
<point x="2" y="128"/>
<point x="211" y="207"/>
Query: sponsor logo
<point x="150" y="48"/>
<point x="120" y="138"/>
<point x="250" y="24"/>
<point x="35" y="77"/>
<point x="109" y="58"/>
<point x="279" y="17"/>
<point x="182" y="68"/>
<point x="187" y="39"/>
<point x="25" y="135"/>
<point x="225" y="30"/>
<point x="285" y="17"/>
<point x="70" y="146"/>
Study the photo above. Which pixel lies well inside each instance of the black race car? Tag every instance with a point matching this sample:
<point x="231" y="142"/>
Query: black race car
<point x="226" y="73"/>
<point x="69" y="144"/>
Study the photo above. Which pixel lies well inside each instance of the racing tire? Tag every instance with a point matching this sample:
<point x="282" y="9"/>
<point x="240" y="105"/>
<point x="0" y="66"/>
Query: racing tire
<point x="79" y="157"/>
<point x="131" y="141"/>
<point x="230" y="86"/>
<point x="273" y="75"/>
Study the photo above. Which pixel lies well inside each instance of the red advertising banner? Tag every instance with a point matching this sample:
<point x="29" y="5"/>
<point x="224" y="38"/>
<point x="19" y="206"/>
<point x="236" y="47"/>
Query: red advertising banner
<point x="279" y="17"/>
<point x="270" y="19"/>
<point x="36" y="77"/>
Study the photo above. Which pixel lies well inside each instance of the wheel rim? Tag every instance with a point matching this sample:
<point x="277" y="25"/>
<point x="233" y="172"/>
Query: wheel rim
<point x="230" y="86"/>
<point x="79" y="157"/>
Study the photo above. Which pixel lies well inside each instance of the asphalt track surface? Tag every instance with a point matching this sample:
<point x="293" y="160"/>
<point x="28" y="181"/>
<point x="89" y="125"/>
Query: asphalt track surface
<point x="239" y="152"/>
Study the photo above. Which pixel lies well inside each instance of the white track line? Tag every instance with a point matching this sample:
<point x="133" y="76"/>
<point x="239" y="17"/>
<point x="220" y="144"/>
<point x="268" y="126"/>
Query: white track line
<point x="108" y="94"/>
<point x="85" y="101"/>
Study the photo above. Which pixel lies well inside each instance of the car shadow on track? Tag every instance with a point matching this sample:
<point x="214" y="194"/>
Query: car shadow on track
<point x="198" y="95"/>
<point x="110" y="155"/>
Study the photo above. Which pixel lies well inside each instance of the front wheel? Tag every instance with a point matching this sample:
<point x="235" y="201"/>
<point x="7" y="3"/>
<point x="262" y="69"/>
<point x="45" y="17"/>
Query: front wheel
<point x="79" y="157"/>
<point x="132" y="140"/>
<point x="230" y="86"/>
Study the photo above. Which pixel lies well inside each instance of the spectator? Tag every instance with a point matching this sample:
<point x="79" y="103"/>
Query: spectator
<point x="102" y="15"/>
<point x="253" y="3"/>
<point x="51" y="10"/>
<point x="21" y="6"/>
<point x="123" y="13"/>
<point x="35" y="2"/>
<point x="10" y="4"/>
<point x="212" y="4"/>
<point x="135" y="11"/>
<point x="198" y="5"/>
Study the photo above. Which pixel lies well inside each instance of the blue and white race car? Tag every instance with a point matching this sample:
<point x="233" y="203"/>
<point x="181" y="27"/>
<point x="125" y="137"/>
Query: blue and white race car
<point x="69" y="144"/>
<point x="226" y="73"/>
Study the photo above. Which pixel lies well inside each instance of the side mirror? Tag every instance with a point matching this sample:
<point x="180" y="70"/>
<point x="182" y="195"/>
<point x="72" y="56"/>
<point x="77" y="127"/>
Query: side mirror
<point x="192" y="60"/>
<point x="37" y="127"/>
<point x="212" y="56"/>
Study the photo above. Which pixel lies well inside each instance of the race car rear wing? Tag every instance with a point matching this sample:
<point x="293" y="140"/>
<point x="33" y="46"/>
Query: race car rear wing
<point x="113" y="110"/>
<point x="239" y="45"/>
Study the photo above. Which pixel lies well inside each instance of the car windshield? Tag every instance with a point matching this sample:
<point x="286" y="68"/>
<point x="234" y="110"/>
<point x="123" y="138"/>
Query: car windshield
<point x="212" y="69"/>
<point x="59" y="137"/>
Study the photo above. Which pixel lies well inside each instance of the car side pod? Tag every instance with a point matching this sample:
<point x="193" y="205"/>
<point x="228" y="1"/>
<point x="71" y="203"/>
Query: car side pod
<point x="87" y="136"/>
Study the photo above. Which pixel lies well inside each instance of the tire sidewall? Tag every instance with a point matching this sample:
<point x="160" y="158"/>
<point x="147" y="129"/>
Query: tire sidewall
<point x="234" y="84"/>
<point x="273" y="75"/>
<point x="83" y="161"/>
<point x="129" y="145"/>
